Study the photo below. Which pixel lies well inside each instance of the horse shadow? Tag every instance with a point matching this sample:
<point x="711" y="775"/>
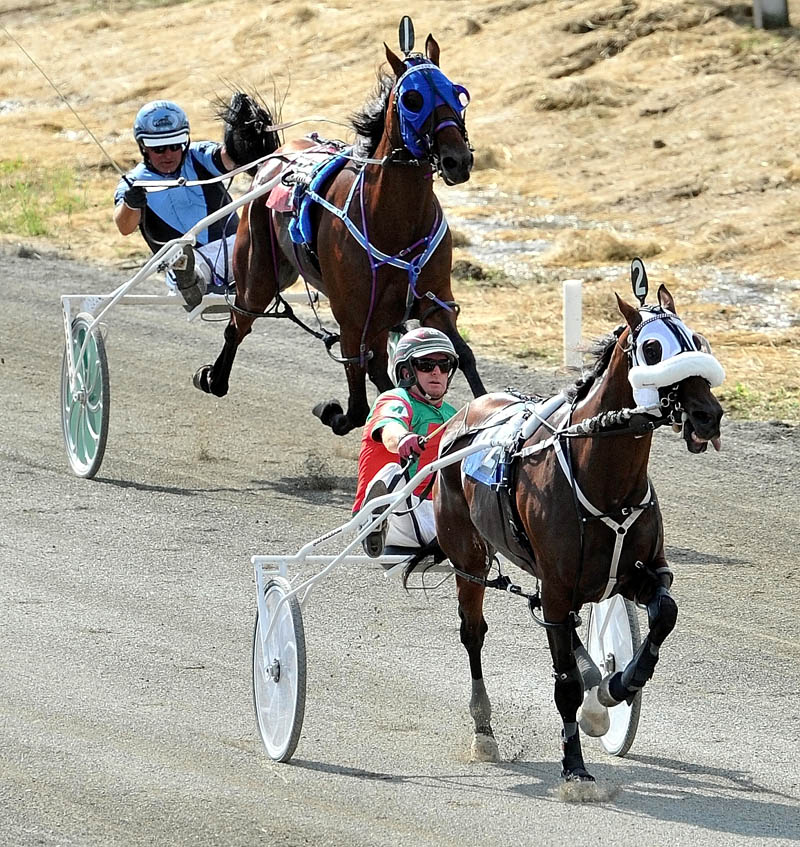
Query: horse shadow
<point x="318" y="490"/>
<point x="322" y="490"/>
<point x="719" y="799"/>
<point x="696" y="557"/>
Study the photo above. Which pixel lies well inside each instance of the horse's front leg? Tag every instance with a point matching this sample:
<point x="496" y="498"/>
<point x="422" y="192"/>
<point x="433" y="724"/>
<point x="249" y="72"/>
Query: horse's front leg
<point x="662" y="613"/>
<point x="568" y="695"/>
<point x="330" y="412"/>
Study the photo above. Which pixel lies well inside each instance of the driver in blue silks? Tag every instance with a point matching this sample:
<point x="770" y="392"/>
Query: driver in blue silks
<point x="161" y="130"/>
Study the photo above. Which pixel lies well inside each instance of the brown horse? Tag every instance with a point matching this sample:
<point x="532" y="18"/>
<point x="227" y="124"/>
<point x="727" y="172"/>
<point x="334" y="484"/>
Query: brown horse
<point x="381" y="250"/>
<point x="577" y="510"/>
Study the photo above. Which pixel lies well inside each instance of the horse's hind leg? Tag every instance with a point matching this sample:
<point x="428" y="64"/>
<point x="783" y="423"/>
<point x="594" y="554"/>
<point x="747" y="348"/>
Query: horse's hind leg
<point x="378" y="365"/>
<point x="330" y="412"/>
<point x="214" y="379"/>
<point x="467" y="551"/>
<point x="662" y="613"/>
<point x="473" y="632"/>
<point x="466" y="358"/>
<point x="256" y="285"/>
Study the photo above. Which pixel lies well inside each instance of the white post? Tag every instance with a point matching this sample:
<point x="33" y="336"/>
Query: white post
<point x="573" y="358"/>
<point x="770" y="14"/>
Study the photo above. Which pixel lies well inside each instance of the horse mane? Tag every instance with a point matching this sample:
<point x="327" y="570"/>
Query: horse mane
<point x="370" y="121"/>
<point x="602" y="349"/>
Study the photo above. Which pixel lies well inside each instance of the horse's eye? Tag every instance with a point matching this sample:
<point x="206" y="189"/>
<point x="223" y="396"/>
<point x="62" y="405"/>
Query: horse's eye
<point x="651" y="350"/>
<point x="413" y="101"/>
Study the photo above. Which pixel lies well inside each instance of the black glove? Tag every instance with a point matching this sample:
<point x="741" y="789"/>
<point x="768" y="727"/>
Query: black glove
<point x="135" y="197"/>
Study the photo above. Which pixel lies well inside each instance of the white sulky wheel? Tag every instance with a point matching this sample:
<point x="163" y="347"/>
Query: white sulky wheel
<point x="617" y="620"/>
<point x="84" y="406"/>
<point x="279" y="677"/>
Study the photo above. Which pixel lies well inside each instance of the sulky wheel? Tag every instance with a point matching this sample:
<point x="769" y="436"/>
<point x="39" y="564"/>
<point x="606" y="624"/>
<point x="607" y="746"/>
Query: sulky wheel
<point x="85" y="405"/>
<point x="279" y="672"/>
<point x="616" y="619"/>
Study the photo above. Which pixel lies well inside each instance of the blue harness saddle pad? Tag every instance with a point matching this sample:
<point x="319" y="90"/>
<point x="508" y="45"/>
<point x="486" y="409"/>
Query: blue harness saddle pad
<point x="484" y="465"/>
<point x="300" y="225"/>
<point x="501" y="431"/>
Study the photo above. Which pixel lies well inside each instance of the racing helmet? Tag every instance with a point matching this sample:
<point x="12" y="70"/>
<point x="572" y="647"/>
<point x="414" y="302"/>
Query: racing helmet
<point x="160" y="122"/>
<point x="417" y="343"/>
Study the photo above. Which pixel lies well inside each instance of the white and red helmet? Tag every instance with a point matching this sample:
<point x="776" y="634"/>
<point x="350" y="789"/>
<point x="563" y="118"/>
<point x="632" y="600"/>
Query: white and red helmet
<point x="416" y="344"/>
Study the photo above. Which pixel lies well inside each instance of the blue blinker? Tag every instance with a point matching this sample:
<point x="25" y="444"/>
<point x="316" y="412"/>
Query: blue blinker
<point x="432" y="89"/>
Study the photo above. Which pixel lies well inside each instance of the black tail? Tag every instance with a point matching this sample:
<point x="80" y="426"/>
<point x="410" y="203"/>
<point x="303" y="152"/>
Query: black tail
<point x="432" y="549"/>
<point x="248" y="136"/>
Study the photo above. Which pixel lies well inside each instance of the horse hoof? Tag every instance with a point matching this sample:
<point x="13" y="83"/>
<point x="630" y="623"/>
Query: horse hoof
<point x="595" y="720"/>
<point x="604" y="695"/>
<point x="327" y="410"/>
<point x="484" y="749"/>
<point x="577" y="775"/>
<point x="200" y="379"/>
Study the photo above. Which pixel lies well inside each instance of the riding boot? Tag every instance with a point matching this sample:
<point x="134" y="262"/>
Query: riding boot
<point x="191" y="287"/>
<point x="375" y="542"/>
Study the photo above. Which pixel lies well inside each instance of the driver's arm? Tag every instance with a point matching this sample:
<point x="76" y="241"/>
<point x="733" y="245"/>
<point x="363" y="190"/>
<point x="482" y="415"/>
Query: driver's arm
<point x="390" y="434"/>
<point x="126" y="219"/>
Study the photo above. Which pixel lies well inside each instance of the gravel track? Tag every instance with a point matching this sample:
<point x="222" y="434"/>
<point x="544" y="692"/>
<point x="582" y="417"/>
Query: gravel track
<point x="128" y="606"/>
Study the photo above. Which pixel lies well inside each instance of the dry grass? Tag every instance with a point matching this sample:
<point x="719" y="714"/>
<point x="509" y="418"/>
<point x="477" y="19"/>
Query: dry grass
<point x="669" y="130"/>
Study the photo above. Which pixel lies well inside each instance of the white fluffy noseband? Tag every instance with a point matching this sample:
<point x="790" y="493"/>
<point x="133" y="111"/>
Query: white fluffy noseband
<point x="676" y="364"/>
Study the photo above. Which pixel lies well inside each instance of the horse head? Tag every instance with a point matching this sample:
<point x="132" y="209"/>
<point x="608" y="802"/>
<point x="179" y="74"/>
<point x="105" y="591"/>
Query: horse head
<point x="425" y="113"/>
<point x="671" y="368"/>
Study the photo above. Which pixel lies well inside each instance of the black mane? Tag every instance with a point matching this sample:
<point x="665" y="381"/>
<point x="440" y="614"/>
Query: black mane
<point x="602" y="348"/>
<point x="370" y="121"/>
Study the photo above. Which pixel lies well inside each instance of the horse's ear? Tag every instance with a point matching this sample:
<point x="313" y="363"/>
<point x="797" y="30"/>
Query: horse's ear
<point x="395" y="61"/>
<point x="628" y="312"/>
<point x="665" y="299"/>
<point x="432" y="49"/>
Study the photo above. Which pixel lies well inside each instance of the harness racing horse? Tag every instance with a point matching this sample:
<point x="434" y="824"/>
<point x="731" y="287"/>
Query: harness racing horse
<point x="575" y="509"/>
<point x="379" y="247"/>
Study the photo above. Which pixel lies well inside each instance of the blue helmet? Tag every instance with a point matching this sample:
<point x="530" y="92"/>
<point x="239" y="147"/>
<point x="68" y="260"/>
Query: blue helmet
<point x="161" y="122"/>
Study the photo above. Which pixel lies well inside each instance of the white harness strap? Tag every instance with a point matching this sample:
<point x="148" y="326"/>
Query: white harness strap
<point x="619" y="529"/>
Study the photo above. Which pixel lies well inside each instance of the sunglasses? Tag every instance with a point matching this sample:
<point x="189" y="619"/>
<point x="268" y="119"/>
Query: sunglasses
<point x="427" y="365"/>
<point x="173" y="148"/>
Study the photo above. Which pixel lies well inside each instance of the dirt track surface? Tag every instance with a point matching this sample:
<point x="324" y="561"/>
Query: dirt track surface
<point x="128" y="603"/>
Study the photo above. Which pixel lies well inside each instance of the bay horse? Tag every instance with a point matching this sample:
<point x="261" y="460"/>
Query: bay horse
<point x="381" y="249"/>
<point x="577" y="510"/>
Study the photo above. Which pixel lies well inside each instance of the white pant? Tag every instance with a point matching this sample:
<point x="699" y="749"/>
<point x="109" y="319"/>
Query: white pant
<point x="216" y="255"/>
<point x="401" y="529"/>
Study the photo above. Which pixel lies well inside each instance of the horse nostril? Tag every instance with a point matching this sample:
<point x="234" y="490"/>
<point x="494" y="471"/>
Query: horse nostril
<point x="704" y="421"/>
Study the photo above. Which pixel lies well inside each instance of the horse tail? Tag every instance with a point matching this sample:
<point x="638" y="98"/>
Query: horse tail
<point x="248" y="129"/>
<point x="421" y="560"/>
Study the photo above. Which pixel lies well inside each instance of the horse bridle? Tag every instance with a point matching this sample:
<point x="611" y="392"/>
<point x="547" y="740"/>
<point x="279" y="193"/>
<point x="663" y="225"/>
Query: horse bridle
<point x="419" y="137"/>
<point x="691" y="348"/>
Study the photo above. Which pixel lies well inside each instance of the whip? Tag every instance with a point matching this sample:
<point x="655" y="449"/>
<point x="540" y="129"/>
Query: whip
<point x="39" y="68"/>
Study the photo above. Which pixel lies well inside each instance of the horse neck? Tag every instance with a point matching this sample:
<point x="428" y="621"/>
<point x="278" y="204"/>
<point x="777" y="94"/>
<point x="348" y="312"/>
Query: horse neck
<point x="617" y="464"/>
<point x="400" y="194"/>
